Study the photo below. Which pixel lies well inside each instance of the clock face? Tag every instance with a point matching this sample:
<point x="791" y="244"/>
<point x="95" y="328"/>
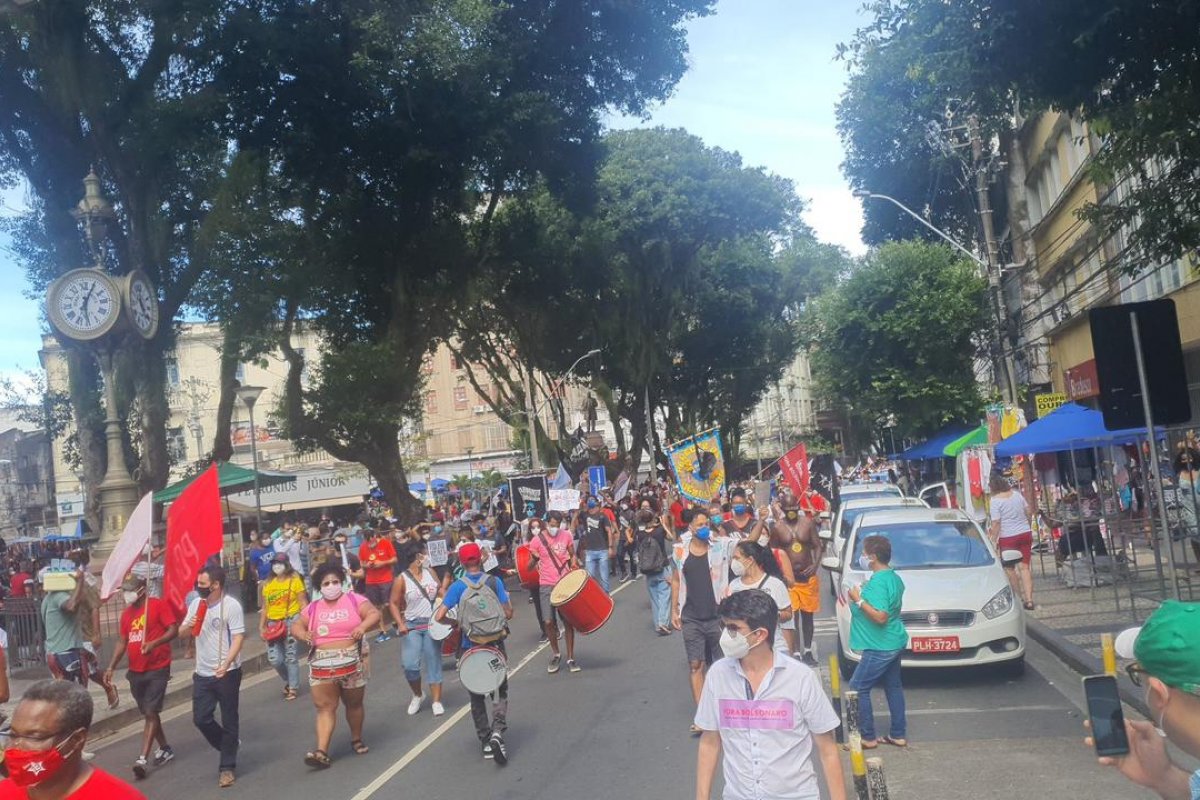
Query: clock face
<point x="84" y="304"/>
<point x="143" y="305"/>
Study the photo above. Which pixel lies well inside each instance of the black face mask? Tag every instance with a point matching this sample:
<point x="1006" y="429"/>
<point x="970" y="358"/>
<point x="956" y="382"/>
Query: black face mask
<point x="204" y="591"/>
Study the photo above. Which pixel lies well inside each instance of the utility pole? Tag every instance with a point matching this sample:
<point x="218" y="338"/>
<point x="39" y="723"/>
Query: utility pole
<point x="1005" y="363"/>
<point x="535" y="462"/>
<point x="779" y="416"/>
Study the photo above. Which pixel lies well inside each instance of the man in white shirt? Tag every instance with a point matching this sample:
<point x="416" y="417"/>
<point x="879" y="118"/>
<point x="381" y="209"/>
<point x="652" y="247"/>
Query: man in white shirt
<point x="219" y="628"/>
<point x="766" y="711"/>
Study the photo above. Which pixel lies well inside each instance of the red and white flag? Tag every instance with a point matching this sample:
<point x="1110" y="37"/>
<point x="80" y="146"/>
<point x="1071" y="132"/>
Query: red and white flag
<point x="129" y="547"/>
<point x="193" y="534"/>
<point x="795" y="469"/>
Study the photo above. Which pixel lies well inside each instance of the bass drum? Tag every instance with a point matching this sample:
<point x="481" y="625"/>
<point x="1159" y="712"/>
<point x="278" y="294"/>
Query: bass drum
<point x="482" y="669"/>
<point x="525" y="568"/>
<point x="581" y="601"/>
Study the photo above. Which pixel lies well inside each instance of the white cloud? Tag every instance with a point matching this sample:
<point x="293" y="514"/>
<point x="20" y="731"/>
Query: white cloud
<point x="836" y="216"/>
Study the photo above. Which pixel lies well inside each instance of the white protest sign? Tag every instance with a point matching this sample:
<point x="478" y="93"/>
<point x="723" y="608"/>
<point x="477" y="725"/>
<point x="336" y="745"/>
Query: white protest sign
<point x="564" y="499"/>
<point x="438" y="552"/>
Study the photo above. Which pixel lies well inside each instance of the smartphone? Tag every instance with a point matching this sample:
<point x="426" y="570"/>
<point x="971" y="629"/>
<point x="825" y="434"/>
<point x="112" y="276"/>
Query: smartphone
<point x="1104" y="710"/>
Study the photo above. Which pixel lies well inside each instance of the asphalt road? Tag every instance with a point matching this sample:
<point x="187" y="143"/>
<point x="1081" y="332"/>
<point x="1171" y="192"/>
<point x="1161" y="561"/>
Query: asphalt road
<point x="619" y="729"/>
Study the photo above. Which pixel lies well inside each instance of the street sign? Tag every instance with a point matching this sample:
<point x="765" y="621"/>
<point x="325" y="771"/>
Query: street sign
<point x="1048" y="402"/>
<point x="597" y="478"/>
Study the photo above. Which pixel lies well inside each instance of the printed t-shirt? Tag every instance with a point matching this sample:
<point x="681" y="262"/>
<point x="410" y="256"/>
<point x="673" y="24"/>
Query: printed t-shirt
<point x="62" y="632"/>
<point x="334" y="622"/>
<point x="222" y="621"/>
<point x="283" y="591"/>
<point x="382" y="551"/>
<point x="596" y="535"/>
<point x="261" y="558"/>
<point x="100" y="786"/>
<point x="455" y="593"/>
<point x="135" y="622"/>
<point x="560" y="543"/>
<point x="883" y="591"/>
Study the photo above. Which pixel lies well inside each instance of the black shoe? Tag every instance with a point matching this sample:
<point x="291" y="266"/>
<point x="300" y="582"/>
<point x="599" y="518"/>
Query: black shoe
<point x="499" y="752"/>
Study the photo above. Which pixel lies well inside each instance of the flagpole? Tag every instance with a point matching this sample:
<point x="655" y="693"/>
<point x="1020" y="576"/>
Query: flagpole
<point x="146" y="598"/>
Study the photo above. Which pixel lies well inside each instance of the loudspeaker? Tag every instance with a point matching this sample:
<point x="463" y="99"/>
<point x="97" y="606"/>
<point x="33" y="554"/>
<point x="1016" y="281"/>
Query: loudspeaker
<point x="1116" y="364"/>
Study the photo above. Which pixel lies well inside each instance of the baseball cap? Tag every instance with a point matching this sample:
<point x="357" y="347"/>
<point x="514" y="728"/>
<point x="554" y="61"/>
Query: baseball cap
<point x="132" y="583"/>
<point x="469" y="552"/>
<point x="1167" y="645"/>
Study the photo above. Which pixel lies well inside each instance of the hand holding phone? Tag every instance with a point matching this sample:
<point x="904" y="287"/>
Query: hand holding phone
<point x="1105" y="714"/>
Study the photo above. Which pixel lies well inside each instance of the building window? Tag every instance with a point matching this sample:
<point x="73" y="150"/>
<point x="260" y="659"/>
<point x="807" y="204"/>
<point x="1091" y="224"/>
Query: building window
<point x="496" y="437"/>
<point x="176" y="445"/>
<point x="460" y="398"/>
<point x="465" y="440"/>
<point x="454" y="362"/>
<point x="431" y="402"/>
<point x="240" y="373"/>
<point x="172" y="372"/>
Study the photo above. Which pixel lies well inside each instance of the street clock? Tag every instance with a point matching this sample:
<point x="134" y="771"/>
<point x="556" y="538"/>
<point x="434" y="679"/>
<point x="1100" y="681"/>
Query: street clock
<point x="84" y="304"/>
<point x="141" y="303"/>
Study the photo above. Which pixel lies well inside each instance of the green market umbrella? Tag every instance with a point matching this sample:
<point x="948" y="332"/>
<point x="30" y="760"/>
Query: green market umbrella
<point x="974" y="438"/>
<point x="230" y="479"/>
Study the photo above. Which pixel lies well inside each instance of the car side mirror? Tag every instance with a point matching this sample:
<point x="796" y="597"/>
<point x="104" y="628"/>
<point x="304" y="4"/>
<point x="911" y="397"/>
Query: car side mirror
<point x="831" y="563"/>
<point x="825" y="533"/>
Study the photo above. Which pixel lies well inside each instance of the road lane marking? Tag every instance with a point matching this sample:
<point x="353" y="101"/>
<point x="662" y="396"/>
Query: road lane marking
<point x="374" y="786"/>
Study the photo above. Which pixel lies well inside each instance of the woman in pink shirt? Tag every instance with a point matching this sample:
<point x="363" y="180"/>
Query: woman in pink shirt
<point x="334" y="627"/>
<point x="553" y="551"/>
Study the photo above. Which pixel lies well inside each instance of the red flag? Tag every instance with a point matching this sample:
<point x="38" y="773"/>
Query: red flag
<point x="795" y="469"/>
<point x="193" y="534"/>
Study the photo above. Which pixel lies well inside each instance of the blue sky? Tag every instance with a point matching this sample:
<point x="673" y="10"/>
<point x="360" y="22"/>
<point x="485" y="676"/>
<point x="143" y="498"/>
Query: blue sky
<point x="762" y="81"/>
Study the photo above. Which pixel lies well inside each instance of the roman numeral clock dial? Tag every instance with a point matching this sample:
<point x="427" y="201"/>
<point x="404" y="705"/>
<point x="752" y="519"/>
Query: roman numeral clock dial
<point x="84" y="304"/>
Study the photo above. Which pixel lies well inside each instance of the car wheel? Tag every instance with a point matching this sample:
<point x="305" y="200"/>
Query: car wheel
<point x="845" y="665"/>
<point x="1014" y="668"/>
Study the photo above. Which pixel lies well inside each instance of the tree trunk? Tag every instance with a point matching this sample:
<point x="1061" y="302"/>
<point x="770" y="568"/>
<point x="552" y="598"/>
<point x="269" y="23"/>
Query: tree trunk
<point x="150" y="382"/>
<point x="222" y="442"/>
<point x="387" y="468"/>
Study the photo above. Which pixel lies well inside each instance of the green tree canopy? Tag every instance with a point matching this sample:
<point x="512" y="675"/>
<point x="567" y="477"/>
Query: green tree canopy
<point x="899" y="338"/>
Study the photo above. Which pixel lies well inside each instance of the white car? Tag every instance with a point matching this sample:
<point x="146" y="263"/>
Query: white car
<point x="857" y="491"/>
<point x="958" y="606"/>
<point x="848" y="513"/>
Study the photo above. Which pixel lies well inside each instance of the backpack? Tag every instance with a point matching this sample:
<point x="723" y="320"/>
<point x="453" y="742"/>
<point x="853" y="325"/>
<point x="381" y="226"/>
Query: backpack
<point x="650" y="555"/>
<point x="480" y="614"/>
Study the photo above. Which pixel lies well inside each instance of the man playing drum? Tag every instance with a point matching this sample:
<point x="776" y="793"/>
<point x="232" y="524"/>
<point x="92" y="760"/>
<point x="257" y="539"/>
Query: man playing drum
<point x="553" y="552"/>
<point x="796" y="535"/>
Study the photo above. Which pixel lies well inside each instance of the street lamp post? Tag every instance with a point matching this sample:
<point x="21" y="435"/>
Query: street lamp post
<point x="1007" y="365"/>
<point x="249" y="396"/>
<point x="531" y="413"/>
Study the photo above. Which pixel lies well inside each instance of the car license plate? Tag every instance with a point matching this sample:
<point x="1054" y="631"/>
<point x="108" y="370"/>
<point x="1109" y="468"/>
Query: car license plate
<point x="935" y="644"/>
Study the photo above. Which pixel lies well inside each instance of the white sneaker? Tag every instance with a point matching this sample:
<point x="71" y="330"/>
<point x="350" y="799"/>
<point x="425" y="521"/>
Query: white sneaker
<point x="438" y="709"/>
<point x="414" y="705"/>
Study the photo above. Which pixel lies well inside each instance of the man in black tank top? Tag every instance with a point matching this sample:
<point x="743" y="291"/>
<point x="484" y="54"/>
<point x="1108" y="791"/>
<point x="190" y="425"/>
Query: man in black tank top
<point x="697" y="617"/>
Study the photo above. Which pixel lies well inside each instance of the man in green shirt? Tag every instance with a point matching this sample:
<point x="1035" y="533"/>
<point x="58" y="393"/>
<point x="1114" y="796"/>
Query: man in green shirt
<point x="64" y="641"/>
<point x="877" y="632"/>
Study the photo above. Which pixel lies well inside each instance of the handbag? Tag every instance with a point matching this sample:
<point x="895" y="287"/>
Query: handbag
<point x="277" y="629"/>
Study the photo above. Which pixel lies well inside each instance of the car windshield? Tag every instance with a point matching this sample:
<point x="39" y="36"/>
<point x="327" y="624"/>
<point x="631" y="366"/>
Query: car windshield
<point x="849" y="515"/>
<point x="929" y="545"/>
<point x="871" y="494"/>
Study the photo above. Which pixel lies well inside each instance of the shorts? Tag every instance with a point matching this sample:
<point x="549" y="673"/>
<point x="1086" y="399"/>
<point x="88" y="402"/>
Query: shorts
<point x="1022" y="542"/>
<point x="702" y="640"/>
<point x="356" y="680"/>
<point x="379" y="594"/>
<point x="549" y="611"/>
<point x="806" y="596"/>
<point x="68" y="666"/>
<point x="149" y="688"/>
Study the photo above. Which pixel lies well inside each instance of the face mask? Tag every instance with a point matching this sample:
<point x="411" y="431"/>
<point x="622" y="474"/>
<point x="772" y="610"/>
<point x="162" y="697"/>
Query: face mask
<point x="739" y="509"/>
<point x="31" y="767"/>
<point x="437" y="528"/>
<point x="703" y="533"/>
<point x="553" y="527"/>
<point x="130" y="597"/>
<point x="764" y="540"/>
<point x="203" y="591"/>
<point x="278" y="569"/>
<point x="716" y="519"/>
<point x="864" y="561"/>
<point x="734" y="645"/>
<point x="591" y="505"/>
<point x="339" y="542"/>
<point x="331" y="591"/>
<point x="738" y="567"/>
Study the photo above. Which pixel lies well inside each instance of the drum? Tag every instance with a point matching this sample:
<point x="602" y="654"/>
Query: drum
<point x="438" y="631"/>
<point x="450" y="643"/>
<point x="482" y="669"/>
<point x="525" y="568"/>
<point x="581" y="601"/>
<point x="327" y="665"/>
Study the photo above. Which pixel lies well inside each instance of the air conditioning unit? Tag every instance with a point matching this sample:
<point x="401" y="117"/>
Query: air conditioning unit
<point x="481" y="409"/>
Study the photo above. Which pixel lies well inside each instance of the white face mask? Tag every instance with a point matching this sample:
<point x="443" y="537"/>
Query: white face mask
<point x="278" y="569"/>
<point x="738" y="567"/>
<point x="331" y="591"/>
<point x="764" y="540"/>
<point x="864" y="561"/>
<point x="130" y="597"/>
<point x="553" y="527"/>
<point x="734" y="645"/>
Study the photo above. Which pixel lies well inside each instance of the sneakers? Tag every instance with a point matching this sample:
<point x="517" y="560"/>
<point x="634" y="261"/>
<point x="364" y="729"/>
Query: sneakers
<point x="572" y="666"/>
<point x="226" y="779"/>
<point x="809" y="659"/>
<point x="552" y="667"/>
<point x="87" y="755"/>
<point x="163" y="755"/>
<point x="544" y="640"/>
<point x="438" y="709"/>
<point x="499" y="752"/>
<point x="141" y="767"/>
<point x="414" y="705"/>
<point x="381" y="638"/>
<point x="487" y="749"/>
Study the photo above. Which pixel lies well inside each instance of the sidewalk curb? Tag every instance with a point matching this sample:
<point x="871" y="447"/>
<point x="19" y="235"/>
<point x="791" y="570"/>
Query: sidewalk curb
<point x="1084" y="663"/>
<point x="174" y="697"/>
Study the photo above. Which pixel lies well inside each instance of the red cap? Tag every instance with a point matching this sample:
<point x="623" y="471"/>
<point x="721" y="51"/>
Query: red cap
<point x="469" y="552"/>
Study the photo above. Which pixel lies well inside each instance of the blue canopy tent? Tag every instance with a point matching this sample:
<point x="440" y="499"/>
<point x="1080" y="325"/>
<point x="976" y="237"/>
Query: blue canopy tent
<point x="935" y="446"/>
<point x="438" y="484"/>
<point x="1068" y="427"/>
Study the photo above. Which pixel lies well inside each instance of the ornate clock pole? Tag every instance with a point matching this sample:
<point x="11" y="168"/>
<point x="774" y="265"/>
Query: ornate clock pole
<point x="98" y="310"/>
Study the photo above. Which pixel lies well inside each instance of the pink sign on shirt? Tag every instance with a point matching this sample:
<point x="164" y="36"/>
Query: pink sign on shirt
<point x="758" y="714"/>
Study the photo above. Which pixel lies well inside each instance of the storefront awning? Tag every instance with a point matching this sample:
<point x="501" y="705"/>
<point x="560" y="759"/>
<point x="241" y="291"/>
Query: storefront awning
<point x="230" y="478"/>
<point x="1068" y="427"/>
<point x="935" y="446"/>
<point x="974" y="438"/>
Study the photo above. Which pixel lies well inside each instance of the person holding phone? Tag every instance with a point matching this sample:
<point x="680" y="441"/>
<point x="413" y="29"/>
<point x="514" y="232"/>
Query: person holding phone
<point x="1166" y="663"/>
